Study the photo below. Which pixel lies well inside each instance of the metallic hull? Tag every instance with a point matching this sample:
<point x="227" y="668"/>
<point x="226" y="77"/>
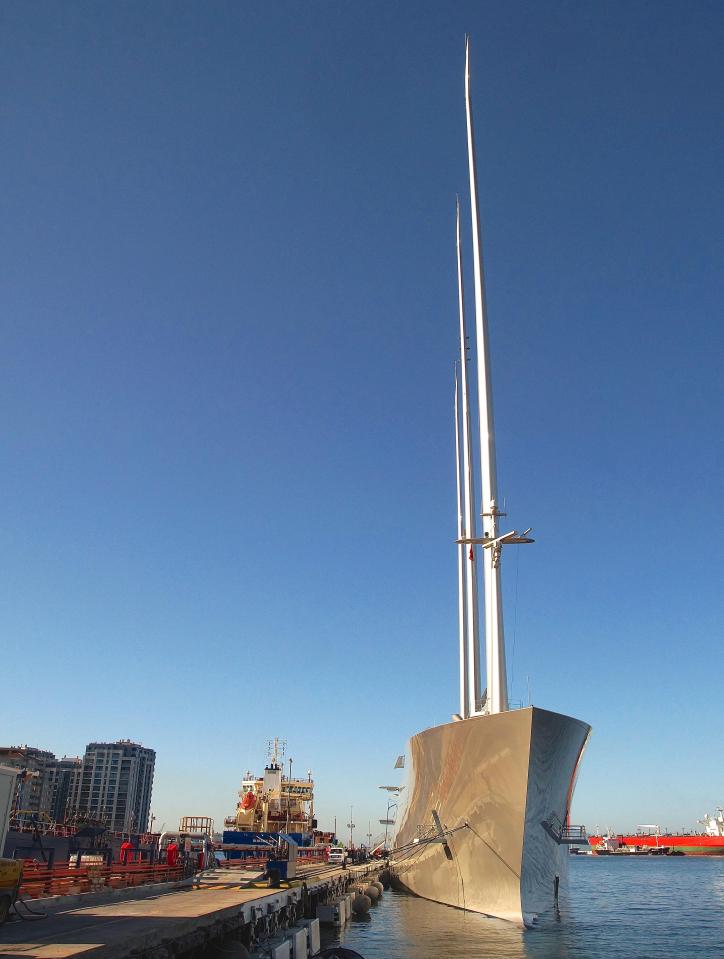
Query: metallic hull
<point x="494" y="780"/>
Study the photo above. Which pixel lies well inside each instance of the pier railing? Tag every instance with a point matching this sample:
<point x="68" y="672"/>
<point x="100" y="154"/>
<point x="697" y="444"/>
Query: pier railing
<point x="67" y="879"/>
<point x="259" y="858"/>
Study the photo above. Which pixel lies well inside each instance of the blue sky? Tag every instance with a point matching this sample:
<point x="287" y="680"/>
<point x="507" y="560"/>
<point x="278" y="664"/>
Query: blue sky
<point x="228" y="327"/>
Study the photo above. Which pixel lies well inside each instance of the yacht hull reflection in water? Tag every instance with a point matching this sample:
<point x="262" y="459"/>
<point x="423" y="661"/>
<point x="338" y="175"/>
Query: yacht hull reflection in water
<point x="497" y="784"/>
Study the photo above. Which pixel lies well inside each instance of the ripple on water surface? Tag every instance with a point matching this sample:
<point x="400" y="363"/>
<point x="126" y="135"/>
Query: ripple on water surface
<point x="624" y="908"/>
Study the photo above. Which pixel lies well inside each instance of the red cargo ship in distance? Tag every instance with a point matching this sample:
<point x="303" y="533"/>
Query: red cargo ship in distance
<point x="708" y="843"/>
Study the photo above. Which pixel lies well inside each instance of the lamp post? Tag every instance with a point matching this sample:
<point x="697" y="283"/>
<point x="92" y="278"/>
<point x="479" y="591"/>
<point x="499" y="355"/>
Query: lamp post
<point x="350" y="826"/>
<point x="289" y="794"/>
<point x="391" y="804"/>
<point x="312" y="823"/>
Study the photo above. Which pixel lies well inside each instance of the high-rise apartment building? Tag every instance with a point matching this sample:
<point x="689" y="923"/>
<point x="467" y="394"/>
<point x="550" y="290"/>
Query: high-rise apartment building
<point x="64" y="779"/>
<point x="112" y="783"/>
<point x="33" y="791"/>
<point x="116" y="784"/>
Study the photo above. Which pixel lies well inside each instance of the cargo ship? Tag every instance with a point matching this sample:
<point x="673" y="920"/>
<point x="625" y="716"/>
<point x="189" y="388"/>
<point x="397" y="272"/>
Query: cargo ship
<point x="270" y="805"/>
<point x="707" y="843"/>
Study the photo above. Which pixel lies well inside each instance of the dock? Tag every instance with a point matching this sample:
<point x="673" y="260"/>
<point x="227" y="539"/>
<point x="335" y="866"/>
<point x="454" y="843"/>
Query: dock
<point x="216" y="905"/>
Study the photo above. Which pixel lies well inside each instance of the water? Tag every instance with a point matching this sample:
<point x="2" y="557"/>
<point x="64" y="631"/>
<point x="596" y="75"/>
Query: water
<point x="627" y="908"/>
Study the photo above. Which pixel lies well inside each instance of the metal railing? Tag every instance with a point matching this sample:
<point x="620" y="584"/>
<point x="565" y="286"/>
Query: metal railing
<point x="67" y="879"/>
<point x="565" y="835"/>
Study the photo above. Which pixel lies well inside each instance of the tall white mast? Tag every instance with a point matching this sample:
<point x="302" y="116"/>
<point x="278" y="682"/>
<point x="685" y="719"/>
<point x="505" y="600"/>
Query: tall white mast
<point x="494" y="639"/>
<point x="471" y="576"/>
<point x="462" y="550"/>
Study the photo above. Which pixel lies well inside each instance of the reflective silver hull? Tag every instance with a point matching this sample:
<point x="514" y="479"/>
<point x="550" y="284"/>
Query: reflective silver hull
<point x="493" y="781"/>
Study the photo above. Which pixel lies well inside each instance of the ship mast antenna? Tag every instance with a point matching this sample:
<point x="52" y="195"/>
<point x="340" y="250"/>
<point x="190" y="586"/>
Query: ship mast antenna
<point x="276" y="749"/>
<point x="468" y="485"/>
<point x="491" y="540"/>
<point x="462" y="607"/>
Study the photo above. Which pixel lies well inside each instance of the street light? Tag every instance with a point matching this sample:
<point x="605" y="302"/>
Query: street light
<point x="391" y="804"/>
<point x="350" y="826"/>
<point x="289" y="793"/>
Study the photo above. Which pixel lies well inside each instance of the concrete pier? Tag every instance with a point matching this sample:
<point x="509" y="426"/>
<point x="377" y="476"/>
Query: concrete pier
<point x="171" y="923"/>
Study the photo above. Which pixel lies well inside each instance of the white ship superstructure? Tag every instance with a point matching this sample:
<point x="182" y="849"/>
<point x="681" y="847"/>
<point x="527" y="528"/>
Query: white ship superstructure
<point x="714" y="825"/>
<point x="485" y="823"/>
<point x="274" y="802"/>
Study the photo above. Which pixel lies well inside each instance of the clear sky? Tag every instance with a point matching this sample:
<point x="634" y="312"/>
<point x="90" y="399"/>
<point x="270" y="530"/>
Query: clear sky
<point x="228" y="316"/>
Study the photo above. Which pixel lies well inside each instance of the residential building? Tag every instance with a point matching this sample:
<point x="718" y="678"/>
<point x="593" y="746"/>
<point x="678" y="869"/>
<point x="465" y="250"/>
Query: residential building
<point x="64" y="780"/>
<point x="116" y="784"/>
<point x="33" y="790"/>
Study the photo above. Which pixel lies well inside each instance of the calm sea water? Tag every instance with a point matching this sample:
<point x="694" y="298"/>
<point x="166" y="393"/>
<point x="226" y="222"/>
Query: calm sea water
<point x="648" y="908"/>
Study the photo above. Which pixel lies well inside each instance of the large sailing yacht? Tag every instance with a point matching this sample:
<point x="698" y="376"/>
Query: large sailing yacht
<point x="486" y="820"/>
